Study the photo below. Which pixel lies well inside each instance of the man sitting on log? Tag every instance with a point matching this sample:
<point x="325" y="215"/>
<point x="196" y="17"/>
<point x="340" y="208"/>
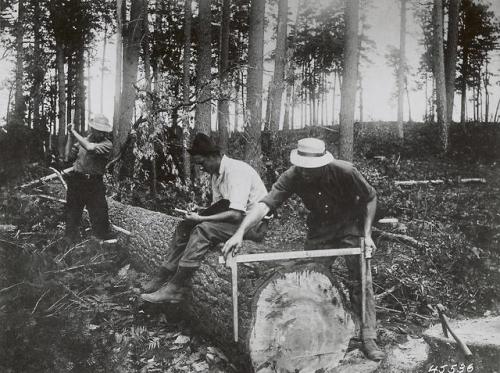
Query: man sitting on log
<point x="342" y="207"/>
<point x="236" y="188"/>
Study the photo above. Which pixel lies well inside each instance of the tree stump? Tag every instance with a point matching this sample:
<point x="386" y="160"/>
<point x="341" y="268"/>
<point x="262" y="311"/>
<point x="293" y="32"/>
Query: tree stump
<point x="292" y="318"/>
<point x="482" y="336"/>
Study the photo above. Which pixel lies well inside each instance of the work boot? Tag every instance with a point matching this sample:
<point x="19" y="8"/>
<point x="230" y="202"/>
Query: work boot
<point x="158" y="280"/>
<point x="372" y="351"/>
<point x="175" y="291"/>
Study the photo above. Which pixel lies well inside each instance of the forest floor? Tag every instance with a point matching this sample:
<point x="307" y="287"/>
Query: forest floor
<point x="66" y="311"/>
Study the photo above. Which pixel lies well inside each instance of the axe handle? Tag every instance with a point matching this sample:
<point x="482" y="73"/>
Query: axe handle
<point x="463" y="347"/>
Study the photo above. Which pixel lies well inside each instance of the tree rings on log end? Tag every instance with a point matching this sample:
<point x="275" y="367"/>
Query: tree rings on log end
<point x="301" y="322"/>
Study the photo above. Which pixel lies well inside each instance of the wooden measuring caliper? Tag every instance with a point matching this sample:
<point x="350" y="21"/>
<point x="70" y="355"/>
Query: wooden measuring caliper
<point x="232" y="263"/>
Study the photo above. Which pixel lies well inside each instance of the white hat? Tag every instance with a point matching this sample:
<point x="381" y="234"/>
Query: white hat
<point x="311" y="153"/>
<point x="100" y="123"/>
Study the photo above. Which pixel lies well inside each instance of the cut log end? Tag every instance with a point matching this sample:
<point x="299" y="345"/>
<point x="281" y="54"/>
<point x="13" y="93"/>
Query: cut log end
<point x="300" y="322"/>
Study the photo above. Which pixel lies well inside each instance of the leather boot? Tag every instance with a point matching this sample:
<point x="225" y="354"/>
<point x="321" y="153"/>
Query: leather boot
<point x="158" y="280"/>
<point x="372" y="351"/>
<point x="174" y="291"/>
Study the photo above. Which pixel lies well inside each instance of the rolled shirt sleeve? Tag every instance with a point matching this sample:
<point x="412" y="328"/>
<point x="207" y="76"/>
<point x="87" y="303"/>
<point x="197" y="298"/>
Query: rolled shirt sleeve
<point x="282" y="189"/>
<point x="361" y="187"/>
<point x="239" y="190"/>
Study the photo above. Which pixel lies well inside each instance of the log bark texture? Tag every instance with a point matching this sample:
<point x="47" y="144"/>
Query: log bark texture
<point x="293" y="317"/>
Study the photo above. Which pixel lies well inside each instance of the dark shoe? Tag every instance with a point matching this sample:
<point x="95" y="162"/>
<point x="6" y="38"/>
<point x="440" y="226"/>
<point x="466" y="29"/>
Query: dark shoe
<point x="169" y="293"/>
<point x="158" y="280"/>
<point x="372" y="351"/>
<point x="175" y="291"/>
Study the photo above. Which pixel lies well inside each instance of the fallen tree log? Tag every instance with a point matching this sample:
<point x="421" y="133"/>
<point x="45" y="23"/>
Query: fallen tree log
<point x="466" y="180"/>
<point x="292" y="318"/>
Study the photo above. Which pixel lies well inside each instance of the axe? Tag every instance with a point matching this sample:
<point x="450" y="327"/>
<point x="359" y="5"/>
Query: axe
<point x="446" y="327"/>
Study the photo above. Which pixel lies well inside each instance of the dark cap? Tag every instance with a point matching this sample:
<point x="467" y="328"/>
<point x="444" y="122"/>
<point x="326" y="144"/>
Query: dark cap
<point x="203" y="145"/>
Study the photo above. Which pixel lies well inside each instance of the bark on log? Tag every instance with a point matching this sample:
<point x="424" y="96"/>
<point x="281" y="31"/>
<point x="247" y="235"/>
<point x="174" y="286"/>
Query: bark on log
<point x="292" y="318"/>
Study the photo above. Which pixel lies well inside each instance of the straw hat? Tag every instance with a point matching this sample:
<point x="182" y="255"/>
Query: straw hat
<point x="310" y="153"/>
<point x="100" y="123"/>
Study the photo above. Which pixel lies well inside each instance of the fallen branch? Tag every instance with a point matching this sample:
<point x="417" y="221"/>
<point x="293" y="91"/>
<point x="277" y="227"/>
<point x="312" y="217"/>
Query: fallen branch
<point x="60" y="177"/>
<point x="39" y="299"/>
<point x="7" y="228"/>
<point x="385" y="293"/>
<point x="418" y="182"/>
<point x="398" y="237"/>
<point x="79" y="266"/>
<point x="45" y="178"/>
<point x="10" y="287"/>
<point x="440" y="181"/>
<point x="44" y="196"/>
<point x="403" y="312"/>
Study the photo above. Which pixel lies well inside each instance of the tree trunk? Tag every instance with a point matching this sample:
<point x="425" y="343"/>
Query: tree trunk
<point x="131" y="50"/>
<point x="237" y="104"/>
<point x="360" y="99"/>
<point x="89" y="94"/>
<point x="288" y="104"/>
<point x="61" y="89"/>
<point x="291" y="317"/>
<point x="103" y="66"/>
<point x="408" y="101"/>
<point x="401" y="69"/>
<point x="278" y="82"/>
<point x="451" y="55"/>
<point x="19" y="105"/>
<point x="39" y="70"/>
<point x="203" y="115"/>
<point x="118" y="68"/>
<point x="254" y="83"/>
<point x="439" y="75"/>
<point x="186" y="84"/>
<point x="225" y="86"/>
<point x="149" y="112"/>
<point x="333" y="96"/>
<point x="486" y="83"/>
<point x="348" y="89"/>
<point x="79" y="85"/>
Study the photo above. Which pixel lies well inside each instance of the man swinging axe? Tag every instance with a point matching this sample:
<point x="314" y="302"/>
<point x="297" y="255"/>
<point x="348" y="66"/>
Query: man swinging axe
<point x="85" y="184"/>
<point x="342" y="207"/>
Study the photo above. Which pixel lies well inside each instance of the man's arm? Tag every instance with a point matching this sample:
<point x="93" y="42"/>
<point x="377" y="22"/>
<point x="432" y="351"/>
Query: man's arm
<point x="86" y="144"/>
<point x="229" y="215"/>
<point x="253" y="217"/>
<point x="371" y="207"/>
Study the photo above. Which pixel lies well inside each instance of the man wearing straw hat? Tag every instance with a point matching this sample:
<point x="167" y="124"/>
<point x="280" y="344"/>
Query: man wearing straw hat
<point x="342" y="207"/>
<point x="85" y="184"/>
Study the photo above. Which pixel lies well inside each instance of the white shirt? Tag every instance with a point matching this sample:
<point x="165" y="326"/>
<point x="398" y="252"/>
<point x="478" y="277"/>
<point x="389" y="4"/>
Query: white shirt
<point x="239" y="183"/>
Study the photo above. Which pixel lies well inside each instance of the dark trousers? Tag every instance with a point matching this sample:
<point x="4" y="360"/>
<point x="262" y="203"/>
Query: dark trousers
<point x="87" y="192"/>
<point x="192" y="241"/>
<point x="352" y="262"/>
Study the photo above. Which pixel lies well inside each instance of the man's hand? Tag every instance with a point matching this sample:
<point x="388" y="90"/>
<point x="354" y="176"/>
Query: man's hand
<point x="193" y="216"/>
<point x="369" y="246"/>
<point x="232" y="245"/>
<point x="69" y="127"/>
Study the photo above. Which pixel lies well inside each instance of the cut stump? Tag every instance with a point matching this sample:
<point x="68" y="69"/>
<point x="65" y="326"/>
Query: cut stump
<point x="482" y="336"/>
